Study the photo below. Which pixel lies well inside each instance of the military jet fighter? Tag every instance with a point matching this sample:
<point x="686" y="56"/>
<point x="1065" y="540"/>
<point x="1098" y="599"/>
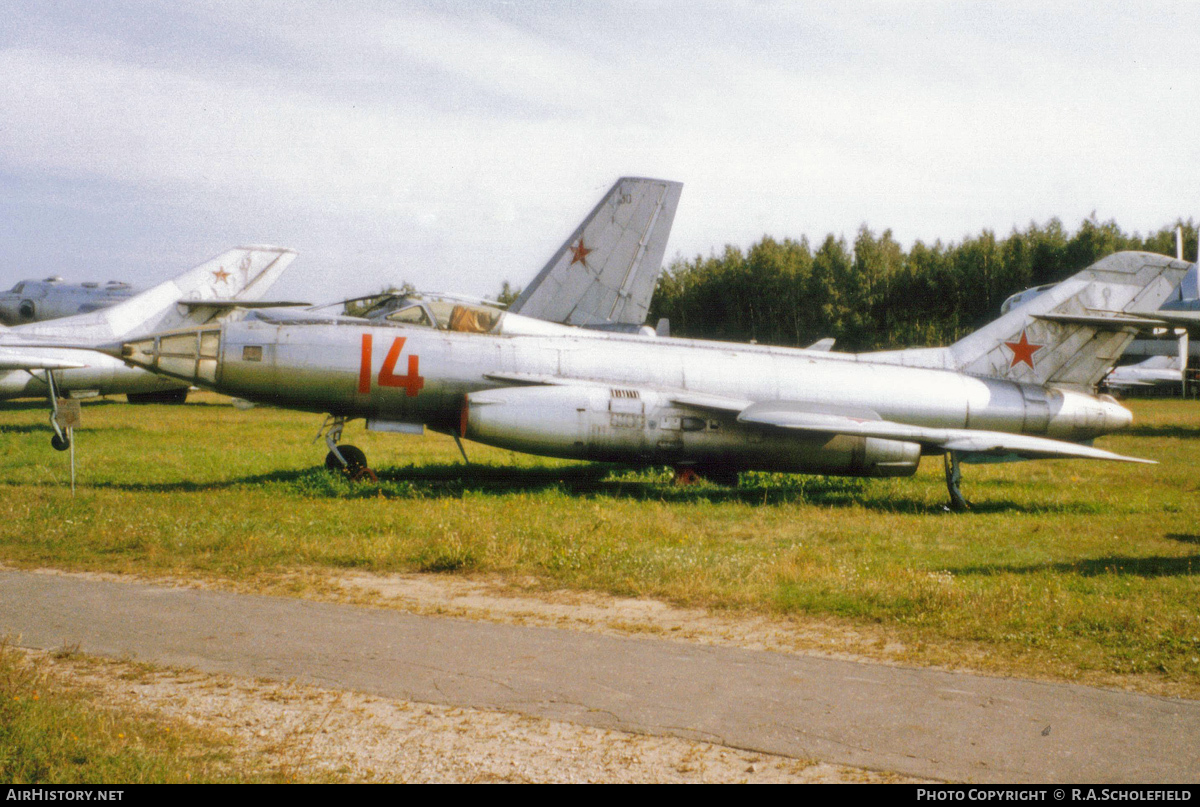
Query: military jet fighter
<point x="1153" y="373"/>
<point x="40" y="300"/>
<point x="1020" y="388"/>
<point x="31" y="364"/>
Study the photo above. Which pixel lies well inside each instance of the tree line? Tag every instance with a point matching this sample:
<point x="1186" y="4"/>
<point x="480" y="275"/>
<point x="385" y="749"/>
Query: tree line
<point x="873" y="294"/>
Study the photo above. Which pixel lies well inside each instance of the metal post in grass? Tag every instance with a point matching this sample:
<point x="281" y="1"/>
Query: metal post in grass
<point x="68" y="414"/>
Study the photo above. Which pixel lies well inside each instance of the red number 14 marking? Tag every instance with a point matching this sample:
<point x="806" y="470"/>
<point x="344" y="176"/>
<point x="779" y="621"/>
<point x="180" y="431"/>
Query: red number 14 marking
<point x="412" y="382"/>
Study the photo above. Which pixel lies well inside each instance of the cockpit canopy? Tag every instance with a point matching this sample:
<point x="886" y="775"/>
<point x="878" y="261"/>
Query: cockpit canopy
<point x="445" y="315"/>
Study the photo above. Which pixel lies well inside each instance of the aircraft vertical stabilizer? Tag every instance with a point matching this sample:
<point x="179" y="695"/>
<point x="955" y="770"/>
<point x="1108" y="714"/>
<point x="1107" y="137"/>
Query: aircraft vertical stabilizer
<point x="606" y="271"/>
<point x="1069" y="336"/>
<point x="242" y="274"/>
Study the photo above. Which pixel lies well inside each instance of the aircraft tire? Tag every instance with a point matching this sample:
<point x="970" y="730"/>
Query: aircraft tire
<point x="59" y="443"/>
<point x="356" y="461"/>
<point x="727" y="477"/>
<point x="170" y="396"/>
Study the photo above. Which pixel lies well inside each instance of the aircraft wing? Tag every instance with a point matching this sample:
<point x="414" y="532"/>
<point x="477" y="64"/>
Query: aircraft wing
<point x="224" y="305"/>
<point x="536" y="380"/>
<point x="16" y="360"/>
<point x="697" y="400"/>
<point x="970" y="441"/>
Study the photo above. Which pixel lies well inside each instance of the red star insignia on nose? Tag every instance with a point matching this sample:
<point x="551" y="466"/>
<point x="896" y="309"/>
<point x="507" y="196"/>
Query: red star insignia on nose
<point x="221" y="274"/>
<point x="579" y="253"/>
<point x="1022" y="350"/>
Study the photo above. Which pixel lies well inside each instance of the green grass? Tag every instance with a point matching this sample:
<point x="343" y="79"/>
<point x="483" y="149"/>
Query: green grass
<point x="53" y="732"/>
<point x="1072" y="570"/>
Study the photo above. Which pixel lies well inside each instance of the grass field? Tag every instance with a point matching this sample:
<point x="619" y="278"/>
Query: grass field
<point x="53" y="732"/>
<point x="1069" y="570"/>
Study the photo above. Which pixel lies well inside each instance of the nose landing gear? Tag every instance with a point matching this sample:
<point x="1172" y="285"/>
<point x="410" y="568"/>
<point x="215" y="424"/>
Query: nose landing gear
<point x="61" y="439"/>
<point x="346" y="459"/>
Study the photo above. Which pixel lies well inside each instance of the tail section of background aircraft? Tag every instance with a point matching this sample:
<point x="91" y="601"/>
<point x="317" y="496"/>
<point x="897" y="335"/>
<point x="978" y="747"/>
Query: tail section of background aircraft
<point x="244" y="274"/>
<point x="606" y="271"/>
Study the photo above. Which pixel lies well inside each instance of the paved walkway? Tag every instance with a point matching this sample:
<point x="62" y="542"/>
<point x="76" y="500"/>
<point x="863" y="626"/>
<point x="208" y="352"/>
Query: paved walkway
<point x="914" y="721"/>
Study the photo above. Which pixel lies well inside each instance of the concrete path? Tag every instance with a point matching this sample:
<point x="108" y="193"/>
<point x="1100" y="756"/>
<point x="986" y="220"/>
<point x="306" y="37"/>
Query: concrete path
<point x="919" y="722"/>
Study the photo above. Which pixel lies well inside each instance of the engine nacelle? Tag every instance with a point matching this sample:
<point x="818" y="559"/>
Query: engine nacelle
<point x="613" y="424"/>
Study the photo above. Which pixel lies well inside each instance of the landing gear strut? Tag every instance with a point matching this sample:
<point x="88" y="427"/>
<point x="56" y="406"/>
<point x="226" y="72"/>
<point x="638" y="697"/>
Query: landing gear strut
<point x="953" y="477"/>
<point x="347" y="459"/>
<point x="61" y="439"/>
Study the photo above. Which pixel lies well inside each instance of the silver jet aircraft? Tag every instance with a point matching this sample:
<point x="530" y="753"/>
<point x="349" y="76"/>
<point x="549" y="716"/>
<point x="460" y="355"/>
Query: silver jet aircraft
<point x="40" y="300"/>
<point x="1020" y="388"/>
<point x="1157" y="373"/>
<point x="31" y="365"/>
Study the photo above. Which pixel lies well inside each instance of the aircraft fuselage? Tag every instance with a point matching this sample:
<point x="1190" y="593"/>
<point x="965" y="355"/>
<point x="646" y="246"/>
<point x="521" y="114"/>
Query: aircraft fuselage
<point x="613" y="398"/>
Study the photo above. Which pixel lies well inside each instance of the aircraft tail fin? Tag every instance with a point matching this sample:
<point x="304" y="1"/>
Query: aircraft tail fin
<point x="606" y="271"/>
<point x="1072" y="334"/>
<point x="244" y="273"/>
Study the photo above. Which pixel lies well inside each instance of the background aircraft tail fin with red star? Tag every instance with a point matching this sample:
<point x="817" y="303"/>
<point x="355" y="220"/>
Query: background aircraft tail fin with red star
<point x="241" y="274"/>
<point x="1069" y="336"/>
<point x="605" y="273"/>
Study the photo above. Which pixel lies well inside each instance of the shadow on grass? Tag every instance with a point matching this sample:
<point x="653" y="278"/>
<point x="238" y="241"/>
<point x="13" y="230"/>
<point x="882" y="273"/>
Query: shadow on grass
<point x="1184" y="538"/>
<point x="1155" y="566"/>
<point x="450" y="480"/>
<point x="454" y="480"/>
<point x="40" y="404"/>
<point x="29" y="428"/>
<point x="1183" y="432"/>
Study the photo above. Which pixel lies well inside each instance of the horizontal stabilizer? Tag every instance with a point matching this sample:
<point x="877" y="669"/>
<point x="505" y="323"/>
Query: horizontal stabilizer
<point x="1178" y="317"/>
<point x="1104" y="320"/>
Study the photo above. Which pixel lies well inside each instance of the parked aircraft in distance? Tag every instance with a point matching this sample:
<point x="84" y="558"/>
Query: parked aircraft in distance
<point x="41" y="300"/>
<point x="1020" y="388"/>
<point x="31" y="366"/>
<point x="1159" y="373"/>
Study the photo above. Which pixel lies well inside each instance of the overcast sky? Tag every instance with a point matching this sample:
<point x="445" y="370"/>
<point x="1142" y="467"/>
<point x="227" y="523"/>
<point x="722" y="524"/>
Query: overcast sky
<point x="456" y="144"/>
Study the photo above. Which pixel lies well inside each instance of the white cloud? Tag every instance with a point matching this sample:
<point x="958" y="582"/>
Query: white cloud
<point x="458" y="144"/>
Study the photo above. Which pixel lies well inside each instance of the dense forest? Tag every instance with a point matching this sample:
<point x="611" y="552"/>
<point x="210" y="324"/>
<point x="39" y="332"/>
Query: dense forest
<point x="873" y="294"/>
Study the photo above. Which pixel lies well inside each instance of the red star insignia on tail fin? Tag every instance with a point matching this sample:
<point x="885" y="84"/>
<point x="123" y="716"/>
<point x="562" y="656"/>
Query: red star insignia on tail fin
<point x="221" y="274"/>
<point x="579" y="253"/>
<point x="1022" y="350"/>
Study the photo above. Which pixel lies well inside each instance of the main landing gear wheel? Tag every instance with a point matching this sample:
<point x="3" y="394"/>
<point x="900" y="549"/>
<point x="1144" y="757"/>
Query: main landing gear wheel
<point x="59" y="443"/>
<point x="355" y="466"/>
